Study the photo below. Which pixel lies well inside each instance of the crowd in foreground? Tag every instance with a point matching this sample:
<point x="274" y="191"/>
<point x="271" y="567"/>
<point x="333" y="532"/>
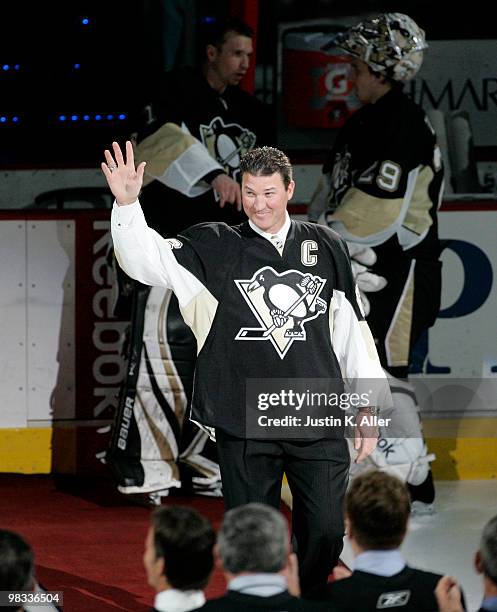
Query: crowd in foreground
<point x="253" y="551"/>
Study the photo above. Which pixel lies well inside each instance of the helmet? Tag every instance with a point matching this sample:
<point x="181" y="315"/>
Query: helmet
<point x="391" y="44"/>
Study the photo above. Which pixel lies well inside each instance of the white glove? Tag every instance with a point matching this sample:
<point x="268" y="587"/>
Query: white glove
<point x="366" y="280"/>
<point x="362" y="256"/>
<point x="361" y="253"/>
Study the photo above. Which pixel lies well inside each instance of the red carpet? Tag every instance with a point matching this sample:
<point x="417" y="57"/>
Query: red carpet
<point x="88" y="539"/>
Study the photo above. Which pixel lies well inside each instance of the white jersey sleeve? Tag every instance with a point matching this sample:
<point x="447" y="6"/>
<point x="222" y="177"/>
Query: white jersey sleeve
<point x="148" y="257"/>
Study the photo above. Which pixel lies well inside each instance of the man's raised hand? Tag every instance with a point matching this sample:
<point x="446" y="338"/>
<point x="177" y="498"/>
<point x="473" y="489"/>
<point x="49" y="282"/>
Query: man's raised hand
<point x="124" y="180"/>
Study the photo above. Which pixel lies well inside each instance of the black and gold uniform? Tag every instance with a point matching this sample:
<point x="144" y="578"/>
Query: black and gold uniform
<point x="385" y="179"/>
<point x="191" y="134"/>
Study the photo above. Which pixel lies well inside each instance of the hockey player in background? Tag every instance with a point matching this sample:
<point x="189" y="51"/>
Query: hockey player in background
<point x="193" y="133"/>
<point x="381" y="187"/>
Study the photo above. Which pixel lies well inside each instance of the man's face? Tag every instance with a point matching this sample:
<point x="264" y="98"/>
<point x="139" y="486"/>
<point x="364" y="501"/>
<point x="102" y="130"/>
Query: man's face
<point x="366" y="84"/>
<point x="154" y="567"/>
<point x="265" y="200"/>
<point x="232" y="60"/>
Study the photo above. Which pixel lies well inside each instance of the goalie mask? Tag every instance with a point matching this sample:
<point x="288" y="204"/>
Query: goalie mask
<point x="391" y="44"/>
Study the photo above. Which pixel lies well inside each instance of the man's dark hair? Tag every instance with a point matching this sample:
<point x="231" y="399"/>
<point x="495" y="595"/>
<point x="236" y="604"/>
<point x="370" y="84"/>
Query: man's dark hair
<point x="216" y="33"/>
<point x="185" y="539"/>
<point x="16" y="562"/>
<point x="378" y="507"/>
<point x="265" y="161"/>
<point x="253" y="538"/>
<point x="488" y="550"/>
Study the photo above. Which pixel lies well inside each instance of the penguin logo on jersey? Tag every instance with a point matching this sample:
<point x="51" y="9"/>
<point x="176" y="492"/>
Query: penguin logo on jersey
<point x="282" y="304"/>
<point x="227" y="143"/>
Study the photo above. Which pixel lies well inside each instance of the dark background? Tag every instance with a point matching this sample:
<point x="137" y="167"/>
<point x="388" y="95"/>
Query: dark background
<point x="99" y="74"/>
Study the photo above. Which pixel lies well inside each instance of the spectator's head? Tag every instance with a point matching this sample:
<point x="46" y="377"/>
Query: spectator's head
<point x="486" y="557"/>
<point x="267" y="185"/>
<point x="252" y="539"/>
<point x="228" y="49"/>
<point x="16" y="563"/>
<point x="377" y="508"/>
<point x="178" y="549"/>
<point x="386" y="50"/>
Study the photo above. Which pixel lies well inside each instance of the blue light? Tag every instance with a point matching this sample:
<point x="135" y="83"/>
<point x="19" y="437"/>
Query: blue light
<point x="97" y="117"/>
<point x="5" y="66"/>
<point x="3" y="119"/>
<point x="15" y="119"/>
<point x="77" y="66"/>
<point x="85" y="21"/>
<point x="17" y="66"/>
<point x="208" y="19"/>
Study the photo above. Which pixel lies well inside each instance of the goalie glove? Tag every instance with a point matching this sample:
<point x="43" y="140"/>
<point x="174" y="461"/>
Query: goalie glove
<point x="365" y="280"/>
<point x="362" y="257"/>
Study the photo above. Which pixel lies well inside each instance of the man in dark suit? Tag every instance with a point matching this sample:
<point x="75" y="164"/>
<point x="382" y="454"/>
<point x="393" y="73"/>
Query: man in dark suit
<point x="253" y="551"/>
<point x="377" y="508"/>
<point x="217" y="271"/>
<point x="178" y="558"/>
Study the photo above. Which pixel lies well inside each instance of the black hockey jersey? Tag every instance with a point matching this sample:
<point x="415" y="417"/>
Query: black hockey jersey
<point x="216" y="130"/>
<point x="386" y="177"/>
<point x="255" y="313"/>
